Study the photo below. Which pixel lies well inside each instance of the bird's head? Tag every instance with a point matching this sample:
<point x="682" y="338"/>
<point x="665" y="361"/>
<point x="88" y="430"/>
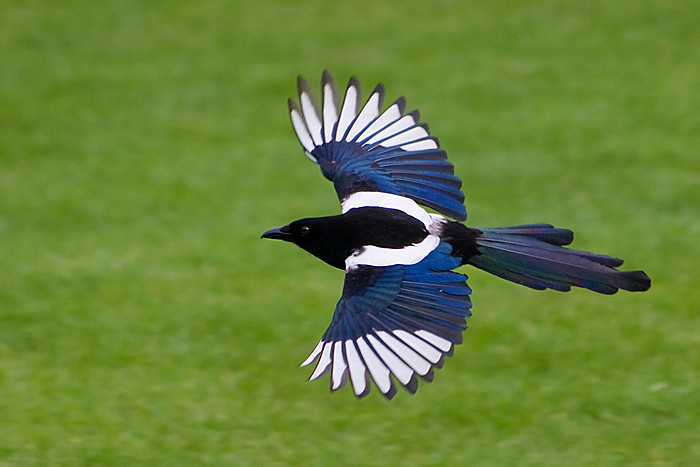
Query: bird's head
<point x="297" y="232"/>
<point x="318" y="236"/>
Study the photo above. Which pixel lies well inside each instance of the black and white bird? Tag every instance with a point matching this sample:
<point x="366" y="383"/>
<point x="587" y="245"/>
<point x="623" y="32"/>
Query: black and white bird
<point x="403" y="307"/>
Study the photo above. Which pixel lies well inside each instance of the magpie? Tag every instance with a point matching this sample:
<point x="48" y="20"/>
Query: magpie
<point x="403" y="306"/>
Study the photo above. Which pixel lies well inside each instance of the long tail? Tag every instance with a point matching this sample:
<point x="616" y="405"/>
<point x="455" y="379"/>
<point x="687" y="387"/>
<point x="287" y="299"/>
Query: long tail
<point x="533" y="255"/>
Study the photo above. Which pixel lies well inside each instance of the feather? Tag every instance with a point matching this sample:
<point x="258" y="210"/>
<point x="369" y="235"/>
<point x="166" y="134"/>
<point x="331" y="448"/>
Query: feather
<point x="398" y="320"/>
<point x="365" y="149"/>
<point x="532" y="255"/>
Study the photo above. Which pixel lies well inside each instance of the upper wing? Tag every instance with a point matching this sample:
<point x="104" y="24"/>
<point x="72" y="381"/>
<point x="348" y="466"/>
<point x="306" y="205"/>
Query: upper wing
<point x="364" y="149"/>
<point x="398" y="320"/>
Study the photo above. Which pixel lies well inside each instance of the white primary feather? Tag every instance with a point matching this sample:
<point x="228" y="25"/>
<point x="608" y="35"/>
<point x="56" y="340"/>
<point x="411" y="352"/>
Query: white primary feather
<point x="419" y="345"/>
<point x="395" y="128"/>
<point x="348" y="113"/>
<point x="367" y="115"/>
<point x="302" y="131"/>
<point x="313" y="122"/>
<point x="408" y="136"/>
<point x="420" y="145"/>
<point x="314" y="353"/>
<point x="339" y="372"/>
<point x="389" y="116"/>
<point x="330" y="113"/>
<point x="323" y="362"/>
<point x="380" y="373"/>
<point x="437" y="341"/>
<point x="419" y="364"/>
<point x="358" y="371"/>
<point x="402" y="371"/>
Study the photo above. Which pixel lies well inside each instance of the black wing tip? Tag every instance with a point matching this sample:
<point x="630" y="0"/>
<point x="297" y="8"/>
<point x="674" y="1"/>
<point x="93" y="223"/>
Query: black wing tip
<point x="391" y="392"/>
<point x="302" y="84"/>
<point x="429" y="376"/>
<point x="380" y="91"/>
<point x="303" y="87"/>
<point x="401" y="103"/>
<point x="412" y="385"/>
<point x="328" y="80"/>
<point x="353" y="82"/>
<point x="379" y="88"/>
<point x="327" y="77"/>
<point x="415" y="114"/>
<point x="344" y="379"/>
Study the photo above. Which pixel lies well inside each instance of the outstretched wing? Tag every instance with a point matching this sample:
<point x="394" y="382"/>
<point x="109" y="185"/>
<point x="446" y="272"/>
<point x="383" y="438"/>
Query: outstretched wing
<point x="365" y="149"/>
<point x="398" y="320"/>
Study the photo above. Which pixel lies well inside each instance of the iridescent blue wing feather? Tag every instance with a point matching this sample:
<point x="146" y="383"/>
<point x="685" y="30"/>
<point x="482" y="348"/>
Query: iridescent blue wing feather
<point x="398" y="320"/>
<point x="361" y="148"/>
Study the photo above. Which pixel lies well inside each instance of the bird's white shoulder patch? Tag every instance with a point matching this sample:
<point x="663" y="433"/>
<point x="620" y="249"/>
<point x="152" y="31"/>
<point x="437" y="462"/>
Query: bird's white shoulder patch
<point x="365" y="199"/>
<point x="371" y="255"/>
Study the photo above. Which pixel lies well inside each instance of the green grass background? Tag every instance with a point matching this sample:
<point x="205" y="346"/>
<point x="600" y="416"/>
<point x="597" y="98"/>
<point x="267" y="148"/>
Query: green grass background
<point x="145" y="146"/>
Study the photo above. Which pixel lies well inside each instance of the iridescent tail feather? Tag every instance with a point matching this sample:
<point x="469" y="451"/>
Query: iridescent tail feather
<point x="534" y="255"/>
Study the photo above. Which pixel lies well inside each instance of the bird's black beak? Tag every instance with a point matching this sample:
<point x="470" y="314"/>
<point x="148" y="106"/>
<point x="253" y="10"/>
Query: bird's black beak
<point x="282" y="233"/>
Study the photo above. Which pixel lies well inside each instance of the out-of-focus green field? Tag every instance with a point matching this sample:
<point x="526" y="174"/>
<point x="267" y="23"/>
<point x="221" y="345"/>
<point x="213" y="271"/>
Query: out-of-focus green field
<point x="145" y="146"/>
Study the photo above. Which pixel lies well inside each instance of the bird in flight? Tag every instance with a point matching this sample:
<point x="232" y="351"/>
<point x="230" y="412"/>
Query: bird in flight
<point x="403" y="307"/>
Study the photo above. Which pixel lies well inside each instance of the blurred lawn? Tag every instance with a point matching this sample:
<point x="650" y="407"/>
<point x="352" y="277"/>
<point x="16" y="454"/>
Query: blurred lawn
<point x="144" y="146"/>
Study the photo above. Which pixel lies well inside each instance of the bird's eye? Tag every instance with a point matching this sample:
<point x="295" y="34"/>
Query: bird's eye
<point x="304" y="230"/>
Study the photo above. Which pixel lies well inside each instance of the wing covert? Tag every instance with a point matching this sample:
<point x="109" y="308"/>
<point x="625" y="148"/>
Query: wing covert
<point x="361" y="148"/>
